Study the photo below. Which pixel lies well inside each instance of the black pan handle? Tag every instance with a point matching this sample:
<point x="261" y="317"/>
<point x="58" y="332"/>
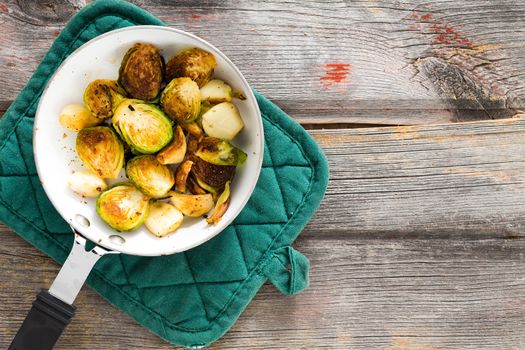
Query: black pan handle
<point x="44" y="323"/>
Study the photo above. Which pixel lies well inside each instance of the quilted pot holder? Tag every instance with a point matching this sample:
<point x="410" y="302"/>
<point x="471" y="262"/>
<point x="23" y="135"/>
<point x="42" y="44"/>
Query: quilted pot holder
<point x="192" y="298"/>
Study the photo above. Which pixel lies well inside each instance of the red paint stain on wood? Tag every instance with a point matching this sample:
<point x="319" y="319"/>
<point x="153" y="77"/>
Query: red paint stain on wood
<point x="4" y="8"/>
<point x="444" y="33"/>
<point x="197" y="17"/>
<point x="56" y="32"/>
<point x="336" y="75"/>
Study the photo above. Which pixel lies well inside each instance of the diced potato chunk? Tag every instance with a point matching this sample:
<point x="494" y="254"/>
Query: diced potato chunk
<point x="86" y="184"/>
<point x="216" y="91"/>
<point x="222" y="121"/>
<point x="163" y="219"/>
<point x="192" y="205"/>
<point x="77" y="117"/>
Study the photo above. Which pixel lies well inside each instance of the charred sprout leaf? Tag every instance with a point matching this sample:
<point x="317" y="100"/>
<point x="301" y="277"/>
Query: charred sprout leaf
<point x="163" y="219"/>
<point x="194" y="63"/>
<point x="192" y="205"/>
<point x="211" y="175"/>
<point x="86" y="184"/>
<point x="123" y="207"/>
<point x="144" y="127"/>
<point x="101" y="97"/>
<point x="205" y="186"/>
<point x="181" y="175"/>
<point x="219" y="152"/>
<point x="193" y="187"/>
<point x="141" y="72"/>
<point x="217" y="91"/>
<point x="222" y="121"/>
<point x="181" y="100"/>
<point x="101" y="151"/>
<point x="221" y="206"/>
<point x="175" y="151"/>
<point x="151" y="177"/>
<point x="77" y="117"/>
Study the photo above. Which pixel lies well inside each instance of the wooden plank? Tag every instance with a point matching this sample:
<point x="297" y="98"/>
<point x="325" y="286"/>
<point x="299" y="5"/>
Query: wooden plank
<point x="458" y="179"/>
<point x="366" y="62"/>
<point x="399" y="294"/>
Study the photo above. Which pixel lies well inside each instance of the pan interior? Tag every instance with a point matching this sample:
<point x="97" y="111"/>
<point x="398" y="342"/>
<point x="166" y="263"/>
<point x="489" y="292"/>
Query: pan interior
<point x="54" y="146"/>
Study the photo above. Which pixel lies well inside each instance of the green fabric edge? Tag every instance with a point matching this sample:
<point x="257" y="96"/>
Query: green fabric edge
<point x="58" y="252"/>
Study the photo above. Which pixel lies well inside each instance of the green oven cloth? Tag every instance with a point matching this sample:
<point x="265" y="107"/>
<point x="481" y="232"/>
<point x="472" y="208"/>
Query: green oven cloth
<point x="192" y="298"/>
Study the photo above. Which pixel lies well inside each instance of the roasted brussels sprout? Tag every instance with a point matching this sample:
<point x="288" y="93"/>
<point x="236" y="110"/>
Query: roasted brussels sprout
<point x="175" y="151"/>
<point x="144" y="127"/>
<point x="101" y="97"/>
<point x="77" y="117"/>
<point x="211" y="177"/>
<point x="181" y="100"/>
<point x="86" y="184"/>
<point x="163" y="219"/>
<point x="141" y="72"/>
<point x="194" y="63"/>
<point x="151" y="177"/>
<point x="193" y="187"/>
<point x="221" y="206"/>
<point x="192" y="205"/>
<point x="101" y="151"/>
<point x="220" y="152"/>
<point x="217" y="91"/>
<point x="222" y="121"/>
<point x="123" y="207"/>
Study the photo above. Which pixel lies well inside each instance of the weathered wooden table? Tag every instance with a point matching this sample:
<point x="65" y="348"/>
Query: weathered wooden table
<point x="420" y="241"/>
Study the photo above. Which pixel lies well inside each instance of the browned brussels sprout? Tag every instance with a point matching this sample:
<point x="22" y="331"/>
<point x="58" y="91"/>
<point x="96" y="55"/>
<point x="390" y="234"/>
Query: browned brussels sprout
<point x="141" y="72"/>
<point x="181" y="100"/>
<point x="194" y="63"/>
<point x="220" y="152"/>
<point x="102" y="97"/>
<point x="151" y="177"/>
<point x="123" y="207"/>
<point x="211" y="175"/>
<point x="101" y="151"/>
<point x="144" y="127"/>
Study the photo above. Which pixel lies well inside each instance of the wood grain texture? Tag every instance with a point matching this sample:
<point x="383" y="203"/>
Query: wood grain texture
<point x="445" y="180"/>
<point x="365" y="62"/>
<point x="417" y="245"/>
<point x="410" y="294"/>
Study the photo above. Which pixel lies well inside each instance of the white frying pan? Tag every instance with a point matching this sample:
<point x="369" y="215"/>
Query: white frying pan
<point x="55" y="157"/>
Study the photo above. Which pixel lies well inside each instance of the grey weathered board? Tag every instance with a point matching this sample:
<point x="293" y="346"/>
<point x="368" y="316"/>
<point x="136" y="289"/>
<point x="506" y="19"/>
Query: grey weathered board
<point x="396" y="58"/>
<point x="419" y="243"/>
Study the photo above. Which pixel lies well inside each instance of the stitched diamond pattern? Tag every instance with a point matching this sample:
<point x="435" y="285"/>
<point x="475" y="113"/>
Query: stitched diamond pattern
<point x="185" y="292"/>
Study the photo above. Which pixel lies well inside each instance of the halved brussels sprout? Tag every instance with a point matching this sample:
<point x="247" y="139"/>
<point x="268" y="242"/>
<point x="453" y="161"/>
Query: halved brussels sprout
<point x="86" y="184"/>
<point x="101" y="151"/>
<point x="181" y="100"/>
<point x="141" y="71"/>
<point x="220" y="152"/>
<point x="151" y="177"/>
<point x="181" y="175"/>
<point x="221" y="206"/>
<point x="222" y="121"/>
<point x="101" y="97"/>
<point x="123" y="207"/>
<point x="77" y="117"/>
<point x="144" y="127"/>
<point x="174" y="152"/>
<point x="192" y="205"/>
<point x="194" y="63"/>
<point x="210" y="176"/>
<point x="217" y="91"/>
<point x="163" y="219"/>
